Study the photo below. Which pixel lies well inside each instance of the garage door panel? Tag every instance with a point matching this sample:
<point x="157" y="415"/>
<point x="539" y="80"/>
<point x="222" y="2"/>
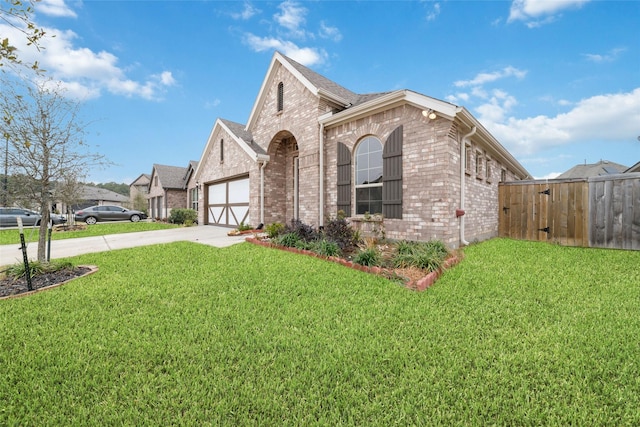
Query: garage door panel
<point x="239" y="191"/>
<point x="218" y="194"/>
<point x="228" y="202"/>
<point x="238" y="214"/>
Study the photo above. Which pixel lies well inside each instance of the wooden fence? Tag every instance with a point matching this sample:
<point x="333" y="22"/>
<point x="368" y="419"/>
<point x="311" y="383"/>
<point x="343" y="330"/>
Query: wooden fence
<point x="602" y="212"/>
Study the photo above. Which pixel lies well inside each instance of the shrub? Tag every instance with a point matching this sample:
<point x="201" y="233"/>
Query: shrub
<point x="37" y="267"/>
<point x="339" y="231"/>
<point x="304" y="231"/>
<point x="274" y="230"/>
<point x="325" y="247"/>
<point x="288" y="239"/>
<point x="244" y="227"/>
<point x="369" y="257"/>
<point x="425" y="255"/>
<point x="180" y="216"/>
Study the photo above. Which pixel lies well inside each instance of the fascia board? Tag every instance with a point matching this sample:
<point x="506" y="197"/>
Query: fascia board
<point x="331" y="97"/>
<point x="491" y="142"/>
<point x="364" y="109"/>
<point x="241" y="142"/>
<point x="391" y="100"/>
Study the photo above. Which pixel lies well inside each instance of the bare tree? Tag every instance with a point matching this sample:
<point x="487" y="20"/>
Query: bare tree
<point x="46" y="143"/>
<point x="18" y="14"/>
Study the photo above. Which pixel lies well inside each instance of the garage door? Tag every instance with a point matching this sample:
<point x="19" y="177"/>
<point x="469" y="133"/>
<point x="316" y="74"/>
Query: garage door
<point x="229" y="202"/>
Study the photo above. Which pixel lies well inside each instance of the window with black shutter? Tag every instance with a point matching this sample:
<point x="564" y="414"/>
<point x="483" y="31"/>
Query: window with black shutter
<point x="344" y="179"/>
<point x="392" y="175"/>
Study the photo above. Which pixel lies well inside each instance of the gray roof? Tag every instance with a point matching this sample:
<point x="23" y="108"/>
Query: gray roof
<point x="603" y="167"/>
<point x="324" y="83"/>
<point x="88" y="192"/>
<point x="171" y="176"/>
<point x="240" y="131"/>
<point x="634" y="168"/>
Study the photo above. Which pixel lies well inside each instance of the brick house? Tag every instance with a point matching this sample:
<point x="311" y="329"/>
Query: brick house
<point x="312" y="148"/>
<point x="168" y="189"/>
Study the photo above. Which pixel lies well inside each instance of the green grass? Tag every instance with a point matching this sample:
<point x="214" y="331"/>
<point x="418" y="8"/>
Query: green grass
<point x="8" y="237"/>
<point x="519" y="333"/>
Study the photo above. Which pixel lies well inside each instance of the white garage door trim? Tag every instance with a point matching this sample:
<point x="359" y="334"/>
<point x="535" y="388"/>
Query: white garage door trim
<point x="228" y="202"/>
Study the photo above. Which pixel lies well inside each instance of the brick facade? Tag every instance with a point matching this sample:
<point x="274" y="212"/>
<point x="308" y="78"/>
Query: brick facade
<point x="431" y="163"/>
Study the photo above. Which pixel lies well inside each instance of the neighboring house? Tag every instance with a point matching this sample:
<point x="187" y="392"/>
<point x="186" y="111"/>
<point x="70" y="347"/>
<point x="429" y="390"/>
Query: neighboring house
<point x="139" y="187"/>
<point x="603" y="167"/>
<point x="168" y="189"/>
<point x="312" y="148"/>
<point x="92" y="196"/>
<point x="634" y="168"/>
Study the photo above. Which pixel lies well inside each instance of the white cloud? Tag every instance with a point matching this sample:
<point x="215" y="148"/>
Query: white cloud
<point x="248" y="12"/>
<point x="483" y="78"/>
<point x="434" y="12"/>
<point x="609" y="117"/>
<point x="56" y="8"/>
<point x="83" y="72"/>
<point x="611" y="56"/>
<point x="539" y="12"/>
<point x="305" y="55"/>
<point x="292" y="16"/>
<point x="327" y="32"/>
<point x="551" y="175"/>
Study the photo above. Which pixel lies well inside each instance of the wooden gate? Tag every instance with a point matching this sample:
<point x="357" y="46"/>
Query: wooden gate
<point x="599" y="212"/>
<point x="545" y="211"/>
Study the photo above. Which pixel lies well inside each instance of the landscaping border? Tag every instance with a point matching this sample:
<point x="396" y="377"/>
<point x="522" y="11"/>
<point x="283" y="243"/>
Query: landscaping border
<point x="415" y="285"/>
<point x="92" y="269"/>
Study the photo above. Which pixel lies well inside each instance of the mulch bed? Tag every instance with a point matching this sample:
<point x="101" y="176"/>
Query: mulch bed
<point x="10" y="287"/>
<point x="413" y="278"/>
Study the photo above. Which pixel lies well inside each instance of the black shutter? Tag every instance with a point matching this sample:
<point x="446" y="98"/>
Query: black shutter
<point x="392" y="175"/>
<point x="344" y="179"/>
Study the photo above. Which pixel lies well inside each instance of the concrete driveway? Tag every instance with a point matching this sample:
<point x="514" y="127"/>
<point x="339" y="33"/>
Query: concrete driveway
<point x="205" y="234"/>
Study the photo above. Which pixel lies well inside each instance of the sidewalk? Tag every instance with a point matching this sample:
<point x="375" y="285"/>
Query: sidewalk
<point x="205" y="234"/>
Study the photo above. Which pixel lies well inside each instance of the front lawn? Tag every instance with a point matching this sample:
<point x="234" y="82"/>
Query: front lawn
<point x="519" y="333"/>
<point x="8" y="237"/>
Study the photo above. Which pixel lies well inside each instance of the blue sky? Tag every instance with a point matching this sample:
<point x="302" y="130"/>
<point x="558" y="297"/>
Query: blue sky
<point x="556" y="82"/>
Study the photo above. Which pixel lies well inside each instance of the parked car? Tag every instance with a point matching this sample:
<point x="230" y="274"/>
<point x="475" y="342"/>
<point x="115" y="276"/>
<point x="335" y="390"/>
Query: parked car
<point x="93" y="214"/>
<point x="9" y="217"/>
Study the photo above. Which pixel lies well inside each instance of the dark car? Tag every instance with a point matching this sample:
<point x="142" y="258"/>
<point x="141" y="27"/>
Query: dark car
<point x="93" y="214"/>
<point x="9" y="217"/>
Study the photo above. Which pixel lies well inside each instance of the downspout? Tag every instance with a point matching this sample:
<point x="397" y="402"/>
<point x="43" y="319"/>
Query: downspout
<point x="262" y="166"/>
<point x="463" y="167"/>
<point x="321" y="195"/>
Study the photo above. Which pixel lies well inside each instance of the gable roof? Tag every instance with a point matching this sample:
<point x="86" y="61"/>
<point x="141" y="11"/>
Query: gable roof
<point x="603" y="167"/>
<point x="240" y="135"/>
<point x="89" y="192"/>
<point x="634" y="168"/>
<point x="171" y="177"/>
<point x="360" y="105"/>
<point x="143" y="179"/>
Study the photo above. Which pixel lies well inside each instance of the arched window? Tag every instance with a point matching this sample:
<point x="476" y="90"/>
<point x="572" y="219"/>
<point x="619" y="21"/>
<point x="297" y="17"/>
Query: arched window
<point x="280" y="96"/>
<point x="369" y="176"/>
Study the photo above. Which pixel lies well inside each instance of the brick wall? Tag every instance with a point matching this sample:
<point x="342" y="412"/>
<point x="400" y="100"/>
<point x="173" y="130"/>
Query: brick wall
<point x="298" y="123"/>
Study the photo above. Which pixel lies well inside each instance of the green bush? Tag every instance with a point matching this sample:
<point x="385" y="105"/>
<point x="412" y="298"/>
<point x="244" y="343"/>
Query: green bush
<point x="290" y="240"/>
<point x="325" y="247"/>
<point x="274" y="230"/>
<point x="369" y="257"/>
<point x="37" y="267"/>
<point x="426" y="255"/>
<point x="181" y="216"/>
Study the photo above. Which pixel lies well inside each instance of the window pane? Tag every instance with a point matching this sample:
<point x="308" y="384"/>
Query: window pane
<point x="369" y="200"/>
